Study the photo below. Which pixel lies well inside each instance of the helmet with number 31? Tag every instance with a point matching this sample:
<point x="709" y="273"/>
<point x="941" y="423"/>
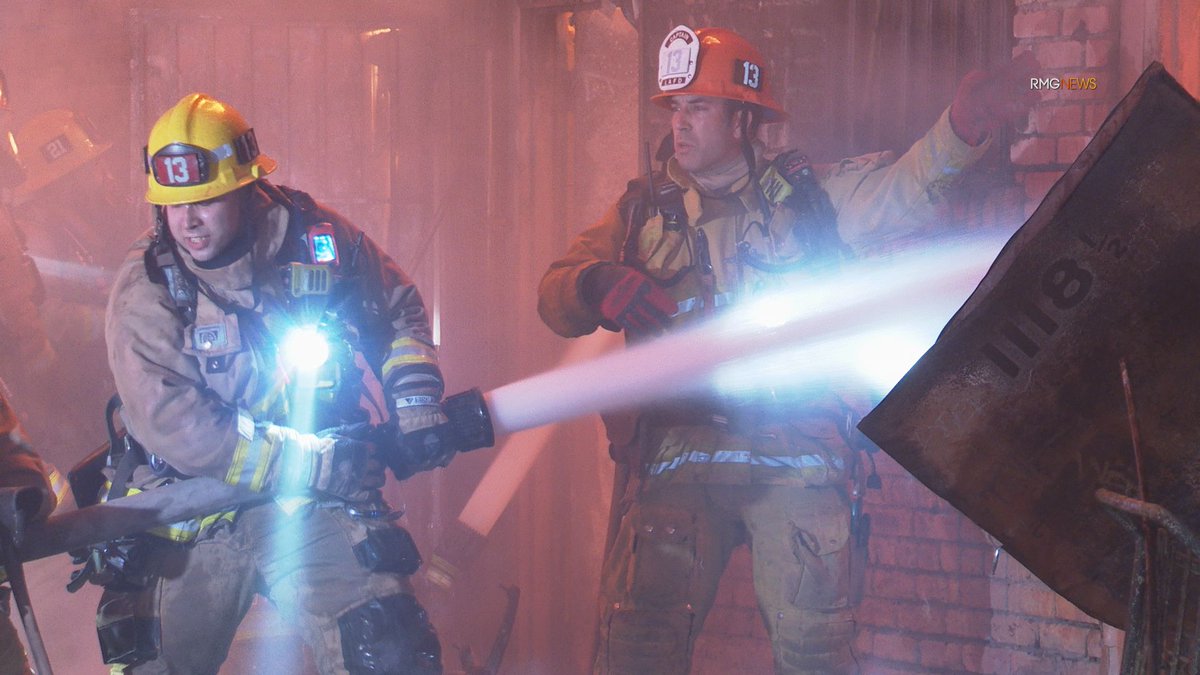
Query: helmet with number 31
<point x="201" y="149"/>
<point x="714" y="62"/>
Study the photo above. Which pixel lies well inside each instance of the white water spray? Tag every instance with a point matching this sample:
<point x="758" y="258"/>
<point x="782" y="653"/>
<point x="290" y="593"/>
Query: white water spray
<point x="877" y="316"/>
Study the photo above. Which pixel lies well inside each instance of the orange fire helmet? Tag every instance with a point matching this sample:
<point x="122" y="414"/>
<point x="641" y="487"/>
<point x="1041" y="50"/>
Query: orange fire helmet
<point x="714" y="62"/>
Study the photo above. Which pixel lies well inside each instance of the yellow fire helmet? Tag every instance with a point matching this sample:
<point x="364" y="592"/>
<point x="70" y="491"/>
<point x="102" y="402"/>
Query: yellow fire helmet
<point x="200" y="149"/>
<point x="714" y="62"/>
<point x="53" y="144"/>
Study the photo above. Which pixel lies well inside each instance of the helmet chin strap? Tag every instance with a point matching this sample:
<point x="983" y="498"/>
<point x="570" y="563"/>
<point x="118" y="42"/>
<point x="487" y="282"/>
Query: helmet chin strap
<point x="749" y="111"/>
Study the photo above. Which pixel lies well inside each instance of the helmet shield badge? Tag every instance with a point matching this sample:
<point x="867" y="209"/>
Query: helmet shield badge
<point x="677" y="59"/>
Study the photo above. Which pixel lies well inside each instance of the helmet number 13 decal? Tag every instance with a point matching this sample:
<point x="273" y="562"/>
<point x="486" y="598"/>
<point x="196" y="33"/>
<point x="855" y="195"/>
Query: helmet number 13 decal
<point x="176" y="169"/>
<point x="747" y="74"/>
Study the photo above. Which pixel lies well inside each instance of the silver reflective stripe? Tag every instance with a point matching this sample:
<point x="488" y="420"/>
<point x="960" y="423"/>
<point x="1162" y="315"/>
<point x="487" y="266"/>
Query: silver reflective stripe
<point x="690" y="304"/>
<point x="746" y="457"/>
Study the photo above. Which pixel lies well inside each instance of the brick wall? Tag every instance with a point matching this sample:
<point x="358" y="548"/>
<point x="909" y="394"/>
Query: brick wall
<point x="1071" y="39"/>
<point x="940" y="601"/>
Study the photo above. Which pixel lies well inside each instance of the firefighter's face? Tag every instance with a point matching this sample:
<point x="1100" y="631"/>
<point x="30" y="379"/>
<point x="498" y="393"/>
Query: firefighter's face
<point x="206" y="228"/>
<point x="706" y="132"/>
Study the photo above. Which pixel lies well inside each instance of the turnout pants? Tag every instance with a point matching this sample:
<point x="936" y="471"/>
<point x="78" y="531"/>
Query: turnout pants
<point x="661" y="575"/>
<point x="354" y="619"/>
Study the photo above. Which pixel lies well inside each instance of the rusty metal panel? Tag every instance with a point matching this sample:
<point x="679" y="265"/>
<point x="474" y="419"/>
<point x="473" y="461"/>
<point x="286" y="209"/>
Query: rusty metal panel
<point x="1017" y="414"/>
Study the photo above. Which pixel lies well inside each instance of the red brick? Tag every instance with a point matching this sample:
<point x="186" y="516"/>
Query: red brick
<point x="1034" y="664"/>
<point x="876" y="612"/>
<point x="937" y="588"/>
<point x="1069" y="148"/>
<point x="975" y="592"/>
<point x="972" y="657"/>
<point x="975" y="561"/>
<point x="920" y="618"/>
<point x="1037" y="184"/>
<point x="1063" y="609"/>
<point x="1033" y="150"/>
<point x="896" y="647"/>
<point x="1095" y="19"/>
<point x="935" y="654"/>
<point x="1097" y="53"/>
<point x="939" y="526"/>
<point x="1031" y="600"/>
<point x="892" y="584"/>
<point x="1044" y="23"/>
<point x="918" y="554"/>
<point x="892" y="521"/>
<point x="1011" y="629"/>
<point x="995" y="660"/>
<point x="969" y="623"/>
<point x="998" y="593"/>
<point x="1056" y="119"/>
<point x="1081" y="667"/>
<point x="1065" y="638"/>
<point x="1059" y="54"/>
<point x="949" y="558"/>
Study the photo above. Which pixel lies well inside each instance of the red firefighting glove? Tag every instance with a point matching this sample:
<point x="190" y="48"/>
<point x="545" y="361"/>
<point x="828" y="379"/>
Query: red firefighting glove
<point x="989" y="101"/>
<point x="627" y="298"/>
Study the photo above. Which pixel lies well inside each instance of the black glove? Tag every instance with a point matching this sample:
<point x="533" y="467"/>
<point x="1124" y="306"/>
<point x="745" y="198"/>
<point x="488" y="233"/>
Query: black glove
<point x="421" y="441"/>
<point x="627" y="297"/>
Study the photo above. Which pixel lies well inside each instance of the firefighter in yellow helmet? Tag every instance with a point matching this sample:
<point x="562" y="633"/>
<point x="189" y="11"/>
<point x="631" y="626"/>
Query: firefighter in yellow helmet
<point x="199" y="325"/>
<point x="719" y="225"/>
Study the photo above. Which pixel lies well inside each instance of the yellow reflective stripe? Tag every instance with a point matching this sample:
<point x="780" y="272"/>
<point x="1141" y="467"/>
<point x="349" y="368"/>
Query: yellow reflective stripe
<point x="186" y="530"/>
<point x="240" y="453"/>
<point x="259" y="479"/>
<point x="406" y="360"/>
<point x="250" y="460"/>
<point x="407" y="342"/>
<point x="58" y="484"/>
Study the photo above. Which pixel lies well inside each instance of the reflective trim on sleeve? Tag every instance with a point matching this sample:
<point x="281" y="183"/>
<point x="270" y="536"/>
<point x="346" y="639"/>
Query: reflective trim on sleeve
<point x="59" y="484"/>
<point x="746" y="457"/>
<point x="250" y="462"/>
<point x="407" y="353"/>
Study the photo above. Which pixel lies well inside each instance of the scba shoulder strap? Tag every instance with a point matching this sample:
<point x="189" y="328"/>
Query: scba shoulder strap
<point x="164" y="267"/>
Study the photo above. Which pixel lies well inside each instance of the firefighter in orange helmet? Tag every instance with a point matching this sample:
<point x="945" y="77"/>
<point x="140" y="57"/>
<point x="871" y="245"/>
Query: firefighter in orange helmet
<point x="198" y="327"/>
<point x="719" y="225"/>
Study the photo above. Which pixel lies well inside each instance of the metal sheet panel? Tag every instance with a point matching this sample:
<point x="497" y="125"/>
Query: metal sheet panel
<point x="1017" y="414"/>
